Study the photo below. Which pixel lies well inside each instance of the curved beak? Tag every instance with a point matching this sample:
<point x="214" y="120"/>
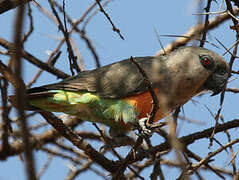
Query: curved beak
<point x="216" y="83"/>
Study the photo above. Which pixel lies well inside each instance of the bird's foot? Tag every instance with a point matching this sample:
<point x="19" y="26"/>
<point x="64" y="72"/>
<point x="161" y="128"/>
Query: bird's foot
<point x="145" y="129"/>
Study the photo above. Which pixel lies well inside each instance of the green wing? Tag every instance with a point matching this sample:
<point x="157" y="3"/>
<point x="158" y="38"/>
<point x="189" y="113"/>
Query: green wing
<point x="86" y="106"/>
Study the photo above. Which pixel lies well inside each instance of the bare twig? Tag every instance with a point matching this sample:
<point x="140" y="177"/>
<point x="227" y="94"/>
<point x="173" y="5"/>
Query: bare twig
<point x="87" y="20"/>
<point x="212" y="154"/>
<point x="51" y="62"/>
<point x="197" y="30"/>
<point x="71" y="55"/>
<point x="198" y="158"/>
<point x="157" y="171"/>
<point x="31" y="23"/>
<point x="45" y="166"/>
<point x="160" y="42"/>
<point x="130" y="156"/>
<point x="233" y="163"/>
<point x="33" y="60"/>
<point x="91" y="47"/>
<point x="109" y="19"/>
<point x="7" y="74"/>
<point x="79" y="142"/>
<point x="84" y="37"/>
<point x="234" y="90"/>
<point x="148" y="84"/>
<point x="229" y="7"/>
<point x="206" y="22"/>
<point x="189" y="139"/>
<point x="16" y="147"/>
<point x="232" y="15"/>
<point x="74" y="27"/>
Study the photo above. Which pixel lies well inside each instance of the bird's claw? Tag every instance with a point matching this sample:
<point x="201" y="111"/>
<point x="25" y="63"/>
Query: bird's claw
<point x="144" y="130"/>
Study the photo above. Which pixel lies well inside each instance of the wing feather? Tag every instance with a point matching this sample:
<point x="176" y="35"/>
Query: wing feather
<point x="116" y="80"/>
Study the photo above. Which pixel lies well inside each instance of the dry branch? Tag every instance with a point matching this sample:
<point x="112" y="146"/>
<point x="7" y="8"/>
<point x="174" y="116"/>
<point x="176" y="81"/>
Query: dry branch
<point x="6" y="5"/>
<point x="33" y="60"/>
<point x="189" y="139"/>
<point x="196" y="31"/>
<point x="20" y="95"/>
<point x="79" y="142"/>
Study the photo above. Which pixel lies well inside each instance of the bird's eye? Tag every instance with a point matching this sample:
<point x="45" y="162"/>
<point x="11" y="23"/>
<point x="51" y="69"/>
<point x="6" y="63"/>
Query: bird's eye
<point x="206" y="61"/>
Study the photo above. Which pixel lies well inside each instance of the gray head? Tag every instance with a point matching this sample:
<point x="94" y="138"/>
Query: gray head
<point x="201" y="66"/>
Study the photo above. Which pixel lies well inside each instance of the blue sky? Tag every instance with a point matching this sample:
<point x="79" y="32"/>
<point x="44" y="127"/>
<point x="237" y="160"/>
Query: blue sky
<point x="137" y="21"/>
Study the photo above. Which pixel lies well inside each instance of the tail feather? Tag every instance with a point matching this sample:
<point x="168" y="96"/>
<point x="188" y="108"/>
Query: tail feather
<point x="30" y="97"/>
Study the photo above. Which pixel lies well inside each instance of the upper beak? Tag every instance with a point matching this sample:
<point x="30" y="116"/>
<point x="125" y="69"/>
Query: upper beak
<point x="216" y="83"/>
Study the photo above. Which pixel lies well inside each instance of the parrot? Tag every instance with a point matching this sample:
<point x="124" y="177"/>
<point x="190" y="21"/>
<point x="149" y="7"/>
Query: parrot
<point x="116" y="94"/>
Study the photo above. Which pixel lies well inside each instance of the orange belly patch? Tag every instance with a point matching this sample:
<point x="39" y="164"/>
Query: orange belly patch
<point x="143" y="104"/>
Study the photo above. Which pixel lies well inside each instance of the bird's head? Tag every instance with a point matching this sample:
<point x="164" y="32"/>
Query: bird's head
<point x="219" y="72"/>
<point x="199" y="69"/>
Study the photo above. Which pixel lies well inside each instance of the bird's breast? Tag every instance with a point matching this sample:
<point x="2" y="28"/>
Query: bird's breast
<point x="144" y="103"/>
